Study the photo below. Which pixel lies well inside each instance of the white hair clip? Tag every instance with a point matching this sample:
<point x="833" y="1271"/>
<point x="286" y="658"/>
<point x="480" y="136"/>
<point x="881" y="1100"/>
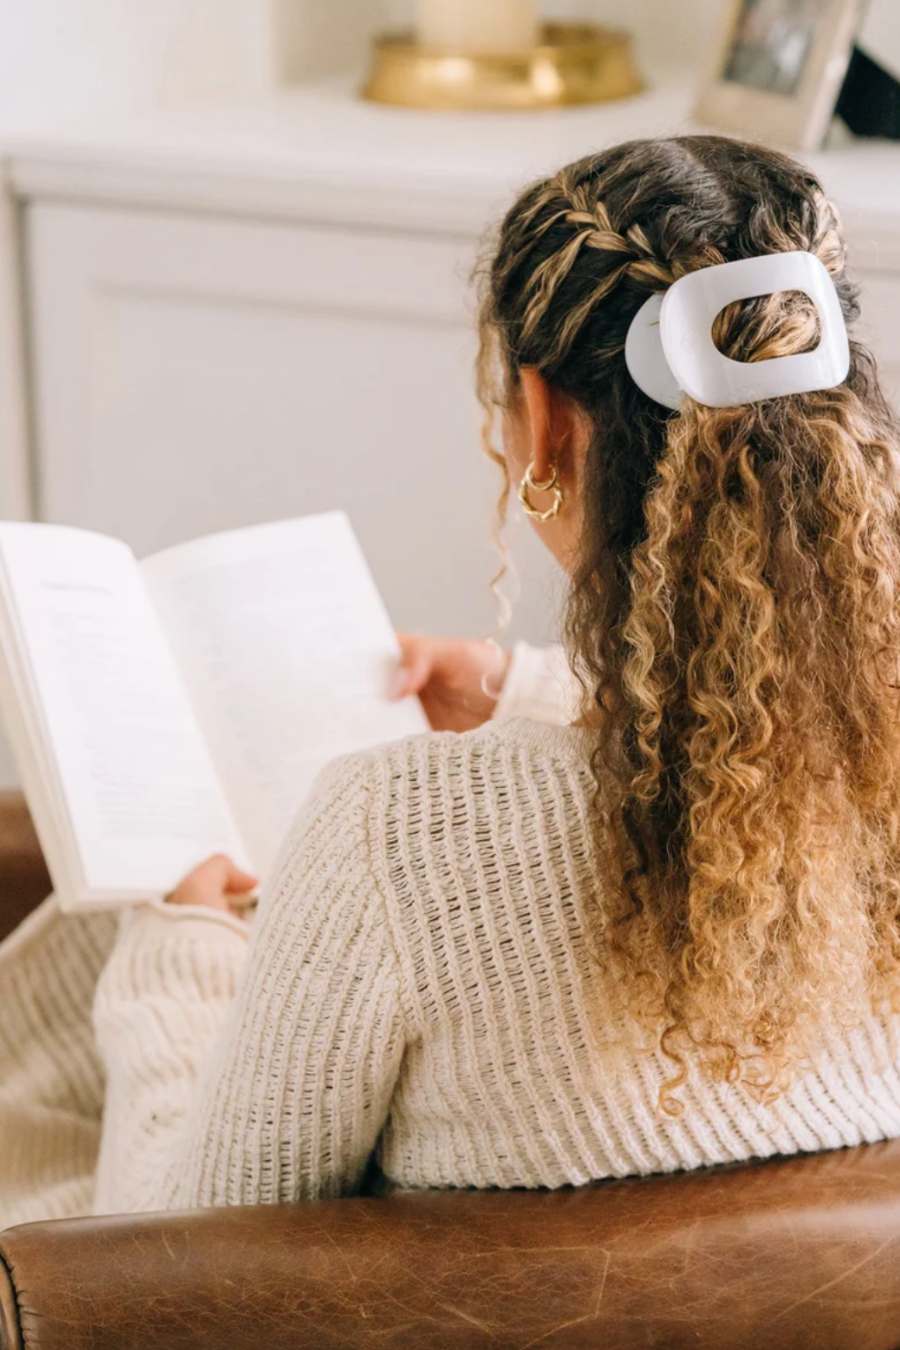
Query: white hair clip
<point x="669" y="350"/>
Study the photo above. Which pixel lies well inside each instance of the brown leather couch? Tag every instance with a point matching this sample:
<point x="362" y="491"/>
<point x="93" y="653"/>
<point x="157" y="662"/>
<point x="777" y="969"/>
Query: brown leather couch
<point x="801" y="1253"/>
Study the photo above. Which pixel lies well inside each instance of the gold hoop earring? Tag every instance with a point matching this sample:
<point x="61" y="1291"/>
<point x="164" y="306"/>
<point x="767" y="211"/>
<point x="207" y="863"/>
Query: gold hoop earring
<point x="529" y="485"/>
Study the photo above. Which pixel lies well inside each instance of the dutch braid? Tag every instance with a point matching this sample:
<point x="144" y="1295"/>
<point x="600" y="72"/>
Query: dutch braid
<point x="569" y="206"/>
<point x="589" y="220"/>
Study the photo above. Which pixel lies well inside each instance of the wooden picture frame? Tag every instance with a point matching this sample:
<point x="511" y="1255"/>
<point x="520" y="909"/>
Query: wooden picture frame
<point x="778" y="69"/>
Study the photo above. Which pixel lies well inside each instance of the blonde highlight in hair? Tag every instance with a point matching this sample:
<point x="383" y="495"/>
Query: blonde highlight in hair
<point x="735" y="616"/>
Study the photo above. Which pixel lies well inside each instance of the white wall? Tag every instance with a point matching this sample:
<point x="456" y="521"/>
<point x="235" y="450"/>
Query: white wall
<point x="66" y="56"/>
<point x="81" y="54"/>
<point x="77" y="54"/>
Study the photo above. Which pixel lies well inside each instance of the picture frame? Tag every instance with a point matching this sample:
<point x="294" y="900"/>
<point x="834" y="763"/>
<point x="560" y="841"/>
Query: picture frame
<point x="870" y="99"/>
<point x="778" y="69"/>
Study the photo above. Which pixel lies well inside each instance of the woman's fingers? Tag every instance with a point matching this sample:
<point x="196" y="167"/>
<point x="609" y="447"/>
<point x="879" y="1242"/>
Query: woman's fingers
<point x="417" y="660"/>
<point x="458" y="679"/>
<point x="221" y="872"/>
<point x="238" y="881"/>
<point x="212" y="883"/>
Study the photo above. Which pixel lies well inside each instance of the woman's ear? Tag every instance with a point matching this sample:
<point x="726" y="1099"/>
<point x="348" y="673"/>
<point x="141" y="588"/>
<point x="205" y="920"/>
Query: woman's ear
<point x="552" y="422"/>
<point x="536" y="396"/>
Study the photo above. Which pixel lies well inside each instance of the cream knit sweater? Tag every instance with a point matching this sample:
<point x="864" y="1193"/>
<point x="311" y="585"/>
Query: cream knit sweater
<point x="415" y="983"/>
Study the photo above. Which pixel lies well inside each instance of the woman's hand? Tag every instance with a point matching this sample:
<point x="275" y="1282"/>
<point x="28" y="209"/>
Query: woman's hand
<point x="457" y="679"/>
<point x="217" y="883"/>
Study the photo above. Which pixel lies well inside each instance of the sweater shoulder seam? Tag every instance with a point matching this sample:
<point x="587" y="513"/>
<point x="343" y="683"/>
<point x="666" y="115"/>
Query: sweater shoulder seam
<point x="376" y="767"/>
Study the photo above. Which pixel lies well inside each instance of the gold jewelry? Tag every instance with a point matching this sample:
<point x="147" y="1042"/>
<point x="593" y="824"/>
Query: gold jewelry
<point x="552" y="485"/>
<point x="241" y="902"/>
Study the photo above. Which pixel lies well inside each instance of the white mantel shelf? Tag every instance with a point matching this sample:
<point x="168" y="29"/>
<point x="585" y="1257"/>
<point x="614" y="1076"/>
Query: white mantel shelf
<point x="319" y="153"/>
<point x="232" y="313"/>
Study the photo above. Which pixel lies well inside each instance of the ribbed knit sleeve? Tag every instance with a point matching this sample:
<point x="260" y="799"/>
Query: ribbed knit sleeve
<point x="51" y="1080"/>
<point x="261" y="1074"/>
<point x="539" y="685"/>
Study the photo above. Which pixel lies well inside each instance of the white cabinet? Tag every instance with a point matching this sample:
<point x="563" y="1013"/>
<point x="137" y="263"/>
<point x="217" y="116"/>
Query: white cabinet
<point x="194" y="374"/>
<point x="879" y="324"/>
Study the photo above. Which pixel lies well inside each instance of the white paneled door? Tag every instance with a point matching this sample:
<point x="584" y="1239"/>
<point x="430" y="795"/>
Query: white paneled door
<point x="194" y="374"/>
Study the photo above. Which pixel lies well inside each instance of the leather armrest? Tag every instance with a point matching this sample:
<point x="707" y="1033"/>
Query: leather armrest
<point x="791" y="1253"/>
<point x="23" y="874"/>
<point x="24" y="879"/>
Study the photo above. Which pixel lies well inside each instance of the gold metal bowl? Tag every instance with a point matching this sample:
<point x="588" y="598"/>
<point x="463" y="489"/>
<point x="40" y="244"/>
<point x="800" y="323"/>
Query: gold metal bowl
<point x="572" y="63"/>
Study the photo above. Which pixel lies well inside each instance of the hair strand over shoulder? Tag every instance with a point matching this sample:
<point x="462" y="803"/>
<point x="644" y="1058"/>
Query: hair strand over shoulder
<point x="735" y="614"/>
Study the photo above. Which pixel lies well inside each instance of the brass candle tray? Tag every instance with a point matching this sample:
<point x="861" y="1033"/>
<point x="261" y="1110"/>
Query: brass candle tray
<point x="572" y="63"/>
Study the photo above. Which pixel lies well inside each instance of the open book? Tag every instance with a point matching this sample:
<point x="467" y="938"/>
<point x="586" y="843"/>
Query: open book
<point x="166" y="709"/>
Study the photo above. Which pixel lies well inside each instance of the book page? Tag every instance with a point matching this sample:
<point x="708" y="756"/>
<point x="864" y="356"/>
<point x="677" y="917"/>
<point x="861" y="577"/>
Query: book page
<point x="287" y="648"/>
<point x="131" y="775"/>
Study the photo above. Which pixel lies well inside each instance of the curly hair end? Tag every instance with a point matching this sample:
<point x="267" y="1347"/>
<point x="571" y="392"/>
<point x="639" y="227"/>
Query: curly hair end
<point x="735" y="615"/>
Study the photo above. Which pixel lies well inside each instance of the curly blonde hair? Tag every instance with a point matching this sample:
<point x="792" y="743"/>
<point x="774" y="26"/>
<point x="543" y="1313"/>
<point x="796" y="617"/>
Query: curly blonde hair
<point x="735" y="615"/>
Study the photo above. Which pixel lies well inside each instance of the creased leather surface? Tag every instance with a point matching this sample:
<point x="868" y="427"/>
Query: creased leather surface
<point x="24" y="879"/>
<point x="9" y="1311"/>
<point x="801" y="1253"/>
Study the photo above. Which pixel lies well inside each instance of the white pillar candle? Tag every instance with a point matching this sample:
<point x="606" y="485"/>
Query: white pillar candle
<point x="478" y="25"/>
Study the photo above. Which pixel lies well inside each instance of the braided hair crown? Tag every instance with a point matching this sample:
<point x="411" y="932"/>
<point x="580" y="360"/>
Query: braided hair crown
<point x="583" y="250"/>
